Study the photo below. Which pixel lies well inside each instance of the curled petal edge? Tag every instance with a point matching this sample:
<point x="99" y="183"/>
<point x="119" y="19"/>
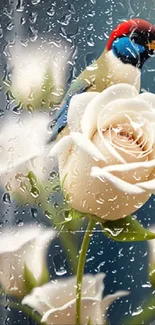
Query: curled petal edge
<point x="116" y="182"/>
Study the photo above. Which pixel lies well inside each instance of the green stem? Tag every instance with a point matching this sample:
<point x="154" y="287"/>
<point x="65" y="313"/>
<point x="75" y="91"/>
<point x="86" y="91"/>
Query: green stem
<point x="147" y="313"/>
<point x="66" y="237"/>
<point x="68" y="244"/>
<point x="80" y="268"/>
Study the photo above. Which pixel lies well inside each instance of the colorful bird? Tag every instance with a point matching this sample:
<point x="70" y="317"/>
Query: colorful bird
<point x="130" y="44"/>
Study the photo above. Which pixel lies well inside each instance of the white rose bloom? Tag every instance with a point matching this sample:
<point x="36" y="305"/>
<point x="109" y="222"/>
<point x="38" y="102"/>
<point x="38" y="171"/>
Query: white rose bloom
<point x="107" y="162"/>
<point x="56" y="301"/>
<point x="22" y="150"/>
<point x="23" y="250"/>
<point x="38" y="73"/>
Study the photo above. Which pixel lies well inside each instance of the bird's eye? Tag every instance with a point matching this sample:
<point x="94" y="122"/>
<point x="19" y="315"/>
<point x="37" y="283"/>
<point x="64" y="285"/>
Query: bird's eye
<point x="139" y="38"/>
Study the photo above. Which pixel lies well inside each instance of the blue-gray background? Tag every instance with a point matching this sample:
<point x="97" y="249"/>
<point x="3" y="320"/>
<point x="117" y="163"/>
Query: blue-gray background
<point x="85" y="26"/>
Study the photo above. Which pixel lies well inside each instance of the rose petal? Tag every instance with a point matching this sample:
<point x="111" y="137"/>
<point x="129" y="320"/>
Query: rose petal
<point x="110" y="154"/>
<point x="148" y="97"/>
<point x="87" y="146"/>
<point x="89" y="119"/>
<point x="22" y="140"/>
<point x="148" y="186"/>
<point x="35" y="258"/>
<point x="15" y="246"/>
<point x="132" y="105"/>
<point x="90" y="310"/>
<point x="57" y="293"/>
<point x="63" y="146"/>
<point x="108" y="300"/>
<point x="116" y="182"/>
<point x="77" y="108"/>
<point x="131" y="166"/>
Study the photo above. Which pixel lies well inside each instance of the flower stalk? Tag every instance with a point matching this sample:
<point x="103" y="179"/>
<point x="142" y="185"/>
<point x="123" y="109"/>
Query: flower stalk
<point x="80" y="268"/>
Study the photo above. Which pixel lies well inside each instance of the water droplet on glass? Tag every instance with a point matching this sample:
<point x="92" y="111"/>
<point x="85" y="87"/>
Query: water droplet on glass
<point x="90" y="40"/>
<point x="33" y="17"/>
<point x="20" y="6"/>
<point x="1" y="32"/>
<point x="138" y="311"/>
<point x="59" y="265"/>
<point x="35" y="2"/>
<point x="51" y="12"/>
<point x="65" y="19"/>
<point x="6" y="197"/>
<point x="34" y="192"/>
<point x="34" y="213"/>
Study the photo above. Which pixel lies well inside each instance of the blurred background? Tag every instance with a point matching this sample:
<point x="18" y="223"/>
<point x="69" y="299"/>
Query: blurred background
<point x="84" y="26"/>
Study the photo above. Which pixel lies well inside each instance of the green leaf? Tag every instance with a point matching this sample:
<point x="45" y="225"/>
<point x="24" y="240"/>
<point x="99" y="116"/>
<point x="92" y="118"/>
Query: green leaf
<point x="126" y="230"/>
<point x="74" y="214"/>
<point x="29" y="280"/>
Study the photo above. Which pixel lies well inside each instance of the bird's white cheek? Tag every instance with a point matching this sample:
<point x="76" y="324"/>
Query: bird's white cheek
<point x="119" y="72"/>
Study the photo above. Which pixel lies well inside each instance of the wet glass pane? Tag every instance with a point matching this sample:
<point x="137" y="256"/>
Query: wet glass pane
<point x="77" y="150"/>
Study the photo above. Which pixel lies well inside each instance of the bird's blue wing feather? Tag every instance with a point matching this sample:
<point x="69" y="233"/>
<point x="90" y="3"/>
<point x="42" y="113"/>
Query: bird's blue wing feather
<point x="60" y="118"/>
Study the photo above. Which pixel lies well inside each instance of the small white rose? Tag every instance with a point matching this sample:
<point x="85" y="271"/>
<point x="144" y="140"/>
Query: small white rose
<point x="23" y="150"/>
<point x="23" y="253"/>
<point x="56" y="301"/>
<point x="107" y="162"/>
<point x="38" y="73"/>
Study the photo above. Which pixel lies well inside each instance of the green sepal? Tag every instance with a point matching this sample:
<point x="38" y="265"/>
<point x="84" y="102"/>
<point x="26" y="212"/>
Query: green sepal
<point x="152" y="274"/>
<point x="45" y="276"/>
<point x="126" y="230"/>
<point x="89" y="321"/>
<point x="29" y="280"/>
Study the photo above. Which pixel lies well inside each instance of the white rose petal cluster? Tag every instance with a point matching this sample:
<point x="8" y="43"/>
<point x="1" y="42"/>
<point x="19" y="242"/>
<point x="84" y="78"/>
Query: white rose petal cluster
<point x="107" y="161"/>
<point x="38" y="73"/>
<point x="23" y="150"/>
<point x="22" y="248"/>
<point x="56" y="301"/>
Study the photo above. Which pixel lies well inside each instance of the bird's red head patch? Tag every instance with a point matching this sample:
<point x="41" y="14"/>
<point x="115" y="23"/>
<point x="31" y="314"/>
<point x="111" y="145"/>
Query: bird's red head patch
<point x="127" y="27"/>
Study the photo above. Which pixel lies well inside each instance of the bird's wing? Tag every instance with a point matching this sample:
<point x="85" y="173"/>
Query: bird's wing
<point x="60" y="118"/>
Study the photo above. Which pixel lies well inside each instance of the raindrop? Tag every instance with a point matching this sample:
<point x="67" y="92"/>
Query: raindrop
<point x="90" y="26"/>
<point x="34" y="34"/>
<point x="33" y="17"/>
<point x="51" y="12"/>
<point x="34" y="213"/>
<point x="100" y="266"/>
<point x="23" y="20"/>
<point x="59" y="265"/>
<point x="20" y="223"/>
<point x="90" y="40"/>
<point x="138" y="311"/>
<point x="1" y="32"/>
<point x="1" y="112"/>
<point x="71" y="9"/>
<point x="18" y="108"/>
<point x="20" y="6"/>
<point x="64" y="20"/>
<point x="6" y="198"/>
<point x="91" y="13"/>
<point x="34" y="192"/>
<point x="35" y="2"/>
